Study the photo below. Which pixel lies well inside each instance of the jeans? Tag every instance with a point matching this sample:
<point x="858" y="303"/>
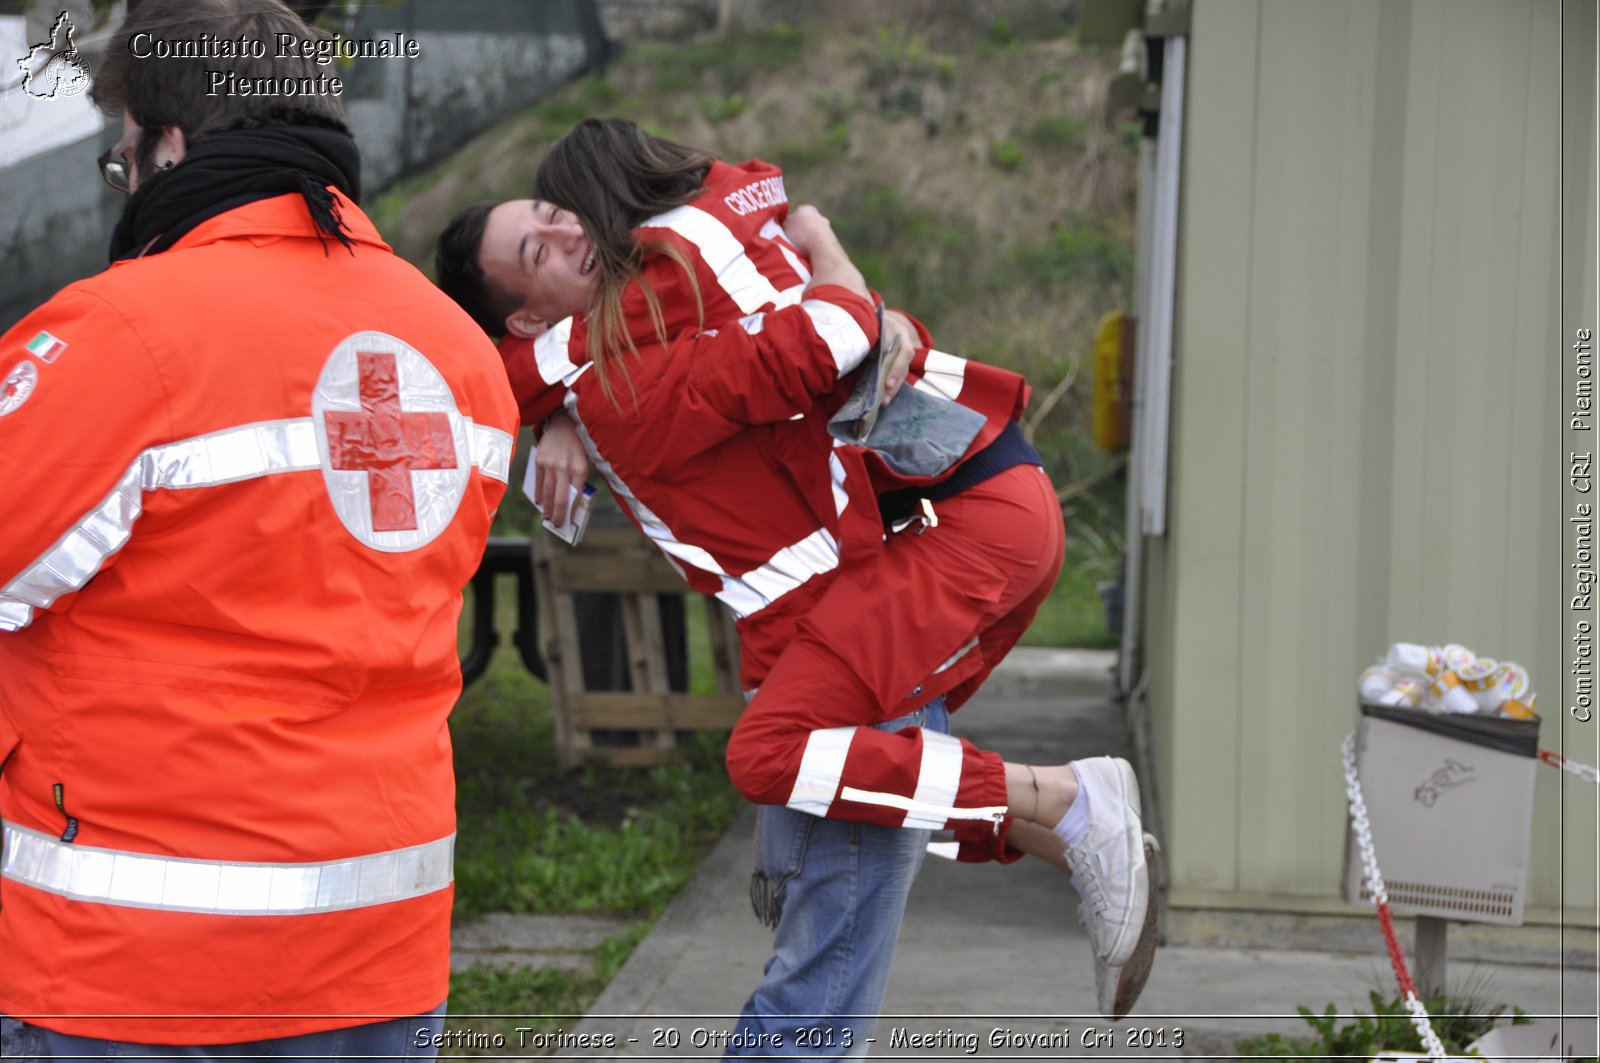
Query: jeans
<point x="392" y="1039"/>
<point x="843" y="887"/>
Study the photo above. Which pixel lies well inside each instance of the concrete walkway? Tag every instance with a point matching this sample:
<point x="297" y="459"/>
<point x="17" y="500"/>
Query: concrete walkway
<point x="996" y="953"/>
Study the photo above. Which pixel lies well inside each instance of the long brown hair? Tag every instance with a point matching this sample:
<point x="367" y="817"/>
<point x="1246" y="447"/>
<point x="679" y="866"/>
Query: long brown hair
<point x="614" y="176"/>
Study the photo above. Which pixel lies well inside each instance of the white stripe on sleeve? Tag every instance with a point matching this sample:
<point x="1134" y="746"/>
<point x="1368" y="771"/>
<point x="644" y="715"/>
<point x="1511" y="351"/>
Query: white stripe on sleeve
<point x="938" y="777"/>
<point x="838" y="329"/>
<point x="821" y="768"/>
<point x="943" y="375"/>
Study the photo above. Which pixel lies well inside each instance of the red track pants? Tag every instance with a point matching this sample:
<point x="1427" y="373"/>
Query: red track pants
<point x="932" y="614"/>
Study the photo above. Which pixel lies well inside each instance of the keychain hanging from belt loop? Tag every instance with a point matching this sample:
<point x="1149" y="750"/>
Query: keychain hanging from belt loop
<point x="924" y="520"/>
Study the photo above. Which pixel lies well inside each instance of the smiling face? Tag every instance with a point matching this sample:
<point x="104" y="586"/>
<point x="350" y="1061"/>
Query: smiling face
<point x="539" y="253"/>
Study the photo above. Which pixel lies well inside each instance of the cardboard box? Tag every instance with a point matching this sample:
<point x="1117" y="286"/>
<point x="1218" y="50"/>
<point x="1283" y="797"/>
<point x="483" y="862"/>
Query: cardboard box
<point x="1450" y="799"/>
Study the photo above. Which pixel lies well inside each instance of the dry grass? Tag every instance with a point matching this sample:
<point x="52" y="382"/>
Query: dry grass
<point x="925" y="102"/>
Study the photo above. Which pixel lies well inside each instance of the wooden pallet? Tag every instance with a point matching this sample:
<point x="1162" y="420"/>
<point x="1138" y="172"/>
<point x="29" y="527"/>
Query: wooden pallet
<point x="644" y="724"/>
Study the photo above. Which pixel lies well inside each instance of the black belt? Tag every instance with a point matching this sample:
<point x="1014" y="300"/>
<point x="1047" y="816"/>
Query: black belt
<point x="1008" y="449"/>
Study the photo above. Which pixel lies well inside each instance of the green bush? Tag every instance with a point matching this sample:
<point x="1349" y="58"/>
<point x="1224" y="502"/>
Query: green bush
<point x="536" y="838"/>
<point x="837" y="105"/>
<point x="777" y="44"/>
<point x="728" y="62"/>
<point x="1457" y="1022"/>
<point x="600" y="92"/>
<point x="918" y="258"/>
<point x="1060" y="134"/>
<point x="721" y="108"/>
<point x="1006" y="155"/>
<point x="998" y="35"/>
<point x="1078" y="251"/>
<point x="1130" y="134"/>
<point x="899" y="53"/>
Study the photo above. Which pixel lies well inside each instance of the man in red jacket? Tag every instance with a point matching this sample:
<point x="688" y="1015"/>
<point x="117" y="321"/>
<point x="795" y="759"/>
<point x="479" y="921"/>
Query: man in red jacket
<point x="248" y="469"/>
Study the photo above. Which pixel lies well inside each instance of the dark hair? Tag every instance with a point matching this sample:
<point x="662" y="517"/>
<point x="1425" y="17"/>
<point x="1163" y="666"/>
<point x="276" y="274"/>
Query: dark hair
<point x="158" y="92"/>
<point x="613" y="176"/>
<point x="459" y="270"/>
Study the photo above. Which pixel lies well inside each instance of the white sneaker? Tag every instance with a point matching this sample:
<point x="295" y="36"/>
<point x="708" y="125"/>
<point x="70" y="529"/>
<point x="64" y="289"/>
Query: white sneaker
<point x="1119" y="987"/>
<point x="1108" y="862"/>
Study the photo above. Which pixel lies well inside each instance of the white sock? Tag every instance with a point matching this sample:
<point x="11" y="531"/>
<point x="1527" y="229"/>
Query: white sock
<point x="1075" y="823"/>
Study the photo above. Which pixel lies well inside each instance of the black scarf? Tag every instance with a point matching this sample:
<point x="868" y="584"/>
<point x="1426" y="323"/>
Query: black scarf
<point x="227" y="170"/>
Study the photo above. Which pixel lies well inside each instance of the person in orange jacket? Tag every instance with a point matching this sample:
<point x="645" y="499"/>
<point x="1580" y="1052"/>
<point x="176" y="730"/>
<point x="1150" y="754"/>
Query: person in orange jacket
<point x="248" y="470"/>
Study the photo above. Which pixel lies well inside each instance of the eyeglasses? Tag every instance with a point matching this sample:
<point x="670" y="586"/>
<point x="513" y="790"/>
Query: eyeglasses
<point x="114" y="168"/>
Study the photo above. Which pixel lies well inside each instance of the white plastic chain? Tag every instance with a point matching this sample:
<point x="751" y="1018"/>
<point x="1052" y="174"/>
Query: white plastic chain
<point x="1380" y="899"/>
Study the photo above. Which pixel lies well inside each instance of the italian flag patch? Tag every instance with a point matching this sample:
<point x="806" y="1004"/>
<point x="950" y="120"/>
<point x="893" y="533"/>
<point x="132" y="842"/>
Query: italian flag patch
<point x="46" y="348"/>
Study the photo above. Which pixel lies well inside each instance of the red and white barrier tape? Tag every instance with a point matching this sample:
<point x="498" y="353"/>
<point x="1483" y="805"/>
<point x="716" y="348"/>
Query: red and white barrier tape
<point x="1582" y="771"/>
<point x="1380" y="899"/>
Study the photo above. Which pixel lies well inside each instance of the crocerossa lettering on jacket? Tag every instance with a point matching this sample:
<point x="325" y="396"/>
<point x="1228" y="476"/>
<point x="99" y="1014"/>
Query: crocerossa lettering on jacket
<point x="767" y="192"/>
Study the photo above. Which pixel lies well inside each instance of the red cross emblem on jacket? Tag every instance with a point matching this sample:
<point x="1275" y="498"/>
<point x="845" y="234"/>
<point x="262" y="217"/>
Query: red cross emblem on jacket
<point x="386" y="442"/>
<point x="395" y="447"/>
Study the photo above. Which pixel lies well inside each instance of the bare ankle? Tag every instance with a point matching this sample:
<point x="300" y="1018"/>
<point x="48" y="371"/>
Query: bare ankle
<point x="1059" y="788"/>
<point x="1039" y="793"/>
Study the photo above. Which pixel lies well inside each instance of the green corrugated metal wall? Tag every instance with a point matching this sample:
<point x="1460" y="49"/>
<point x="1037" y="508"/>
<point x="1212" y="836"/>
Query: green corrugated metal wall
<point x="1366" y="439"/>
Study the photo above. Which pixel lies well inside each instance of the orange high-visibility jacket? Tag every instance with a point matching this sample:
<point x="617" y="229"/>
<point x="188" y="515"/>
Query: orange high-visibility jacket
<point x="243" y="482"/>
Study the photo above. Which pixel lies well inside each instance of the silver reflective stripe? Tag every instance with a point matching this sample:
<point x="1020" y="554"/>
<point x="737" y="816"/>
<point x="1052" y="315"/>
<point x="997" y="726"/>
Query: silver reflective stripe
<point x="220" y="887"/>
<point x="956" y="656"/>
<point x="938" y="777"/>
<point x="76" y="556"/>
<point x="821" y="769"/>
<point x="247" y="452"/>
<point x="491" y="449"/>
<point x="942" y="375"/>
<point x="244" y="453"/>
<point x="781" y="573"/>
<point x="838" y="329"/>
<point x="234" y="454"/>
<point x="724" y="254"/>
<point x="838" y="476"/>
<point x="920" y="808"/>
